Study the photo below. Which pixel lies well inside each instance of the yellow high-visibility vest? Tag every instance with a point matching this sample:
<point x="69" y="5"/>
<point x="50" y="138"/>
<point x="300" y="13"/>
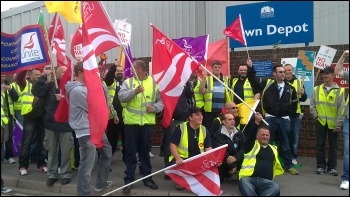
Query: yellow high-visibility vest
<point x="134" y="113"/>
<point x="27" y="99"/>
<point x="326" y="106"/>
<point x="249" y="162"/>
<point x="247" y="90"/>
<point x="182" y="148"/>
<point x="4" y="115"/>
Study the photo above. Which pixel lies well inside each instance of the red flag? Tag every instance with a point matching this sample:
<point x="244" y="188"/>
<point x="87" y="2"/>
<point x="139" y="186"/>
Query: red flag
<point x="76" y="47"/>
<point x="98" y="36"/>
<point x="236" y="31"/>
<point x="61" y="113"/>
<point x="99" y="27"/>
<point x="217" y="51"/>
<point x="58" y="43"/>
<point x="199" y="174"/>
<point x="171" y="68"/>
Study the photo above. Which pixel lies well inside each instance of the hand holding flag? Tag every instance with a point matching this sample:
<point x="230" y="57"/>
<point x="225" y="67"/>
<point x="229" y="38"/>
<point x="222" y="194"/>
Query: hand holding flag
<point x="199" y="174"/>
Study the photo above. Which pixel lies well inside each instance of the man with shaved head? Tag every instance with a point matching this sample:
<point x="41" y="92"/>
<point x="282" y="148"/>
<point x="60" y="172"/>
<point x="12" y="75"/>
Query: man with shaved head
<point x="57" y="134"/>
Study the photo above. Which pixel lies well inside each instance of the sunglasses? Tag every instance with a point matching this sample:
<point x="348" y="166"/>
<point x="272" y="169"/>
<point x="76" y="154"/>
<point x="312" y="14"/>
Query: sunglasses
<point x="281" y="72"/>
<point x="232" y="108"/>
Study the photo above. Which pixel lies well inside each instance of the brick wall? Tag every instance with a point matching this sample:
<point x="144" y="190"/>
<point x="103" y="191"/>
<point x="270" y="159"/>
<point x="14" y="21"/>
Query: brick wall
<point x="307" y="140"/>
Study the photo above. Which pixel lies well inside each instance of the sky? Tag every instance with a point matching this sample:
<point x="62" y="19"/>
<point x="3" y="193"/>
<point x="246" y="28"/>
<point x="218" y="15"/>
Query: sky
<point x="6" y="5"/>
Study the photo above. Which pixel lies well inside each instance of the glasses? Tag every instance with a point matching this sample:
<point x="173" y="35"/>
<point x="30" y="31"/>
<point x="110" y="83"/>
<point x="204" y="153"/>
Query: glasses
<point x="232" y="108"/>
<point x="281" y="72"/>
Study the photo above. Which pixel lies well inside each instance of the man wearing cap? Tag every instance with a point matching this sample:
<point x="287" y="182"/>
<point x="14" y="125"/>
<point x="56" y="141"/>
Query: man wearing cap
<point x="326" y="105"/>
<point x="345" y="74"/>
<point x="197" y="137"/>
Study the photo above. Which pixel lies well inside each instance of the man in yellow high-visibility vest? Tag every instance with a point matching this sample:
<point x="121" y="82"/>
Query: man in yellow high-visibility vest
<point x="143" y="101"/>
<point x="326" y="105"/>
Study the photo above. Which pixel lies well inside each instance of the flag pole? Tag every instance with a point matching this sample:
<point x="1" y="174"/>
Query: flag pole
<point x="49" y="46"/>
<point x="228" y="56"/>
<point x="232" y="92"/>
<point x="247" y="50"/>
<point x="132" y="67"/>
<point x="154" y="173"/>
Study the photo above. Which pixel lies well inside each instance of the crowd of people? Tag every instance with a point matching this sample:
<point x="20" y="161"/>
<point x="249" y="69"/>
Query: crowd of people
<point x="205" y="117"/>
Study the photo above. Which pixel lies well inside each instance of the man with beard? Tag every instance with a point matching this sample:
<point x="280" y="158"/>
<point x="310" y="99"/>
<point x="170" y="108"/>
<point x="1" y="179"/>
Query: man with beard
<point x="114" y="79"/>
<point x="242" y="87"/>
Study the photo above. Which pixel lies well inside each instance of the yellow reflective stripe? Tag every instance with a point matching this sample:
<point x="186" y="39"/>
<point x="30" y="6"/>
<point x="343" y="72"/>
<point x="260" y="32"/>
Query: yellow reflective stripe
<point x="182" y="128"/>
<point x="27" y="102"/>
<point x="135" y="111"/>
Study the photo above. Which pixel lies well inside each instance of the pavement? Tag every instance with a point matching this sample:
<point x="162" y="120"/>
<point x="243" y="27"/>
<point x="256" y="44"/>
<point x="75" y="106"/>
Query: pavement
<point x="307" y="183"/>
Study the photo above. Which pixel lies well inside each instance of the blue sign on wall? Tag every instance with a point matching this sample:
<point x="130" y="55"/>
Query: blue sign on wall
<point x="268" y="23"/>
<point x="263" y="68"/>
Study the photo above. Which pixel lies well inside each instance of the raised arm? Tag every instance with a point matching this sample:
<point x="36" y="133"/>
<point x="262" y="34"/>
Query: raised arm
<point x="339" y="67"/>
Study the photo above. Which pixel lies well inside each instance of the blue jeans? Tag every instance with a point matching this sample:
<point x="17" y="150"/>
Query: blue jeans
<point x="345" y="176"/>
<point x="87" y="162"/>
<point x="137" y="138"/>
<point x="281" y="127"/>
<point x="256" y="186"/>
<point x="295" y="126"/>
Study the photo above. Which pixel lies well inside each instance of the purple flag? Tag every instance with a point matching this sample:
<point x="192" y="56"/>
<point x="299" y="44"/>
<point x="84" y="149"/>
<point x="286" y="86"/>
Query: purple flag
<point x="127" y="67"/>
<point x="17" y="134"/>
<point x="196" y="47"/>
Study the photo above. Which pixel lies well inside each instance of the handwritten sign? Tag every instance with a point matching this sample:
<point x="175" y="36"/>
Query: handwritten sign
<point x="324" y="57"/>
<point x="123" y="30"/>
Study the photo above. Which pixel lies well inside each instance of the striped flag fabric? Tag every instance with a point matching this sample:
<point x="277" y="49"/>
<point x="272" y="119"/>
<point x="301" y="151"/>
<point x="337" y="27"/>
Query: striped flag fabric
<point x="199" y="174"/>
<point x="171" y="69"/>
<point x="58" y="42"/>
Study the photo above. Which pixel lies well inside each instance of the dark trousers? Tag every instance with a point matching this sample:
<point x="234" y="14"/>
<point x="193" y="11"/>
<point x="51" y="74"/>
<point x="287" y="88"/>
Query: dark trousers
<point x="321" y="134"/>
<point x="113" y="132"/>
<point x="76" y="151"/>
<point x="280" y="127"/>
<point x="9" y="143"/>
<point x="137" y="138"/>
<point x="32" y="127"/>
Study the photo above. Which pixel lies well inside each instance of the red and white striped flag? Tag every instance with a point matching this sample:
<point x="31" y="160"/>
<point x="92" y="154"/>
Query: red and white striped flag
<point x="57" y="41"/>
<point x="99" y="26"/>
<point x="199" y="174"/>
<point x="98" y="37"/>
<point x="171" y="68"/>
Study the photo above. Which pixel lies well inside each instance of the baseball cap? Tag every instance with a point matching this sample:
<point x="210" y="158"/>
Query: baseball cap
<point x="328" y="69"/>
<point x="193" y="110"/>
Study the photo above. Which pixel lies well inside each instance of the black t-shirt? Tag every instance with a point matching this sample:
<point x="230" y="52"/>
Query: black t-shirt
<point x="264" y="163"/>
<point x="193" y="136"/>
<point x="238" y="89"/>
